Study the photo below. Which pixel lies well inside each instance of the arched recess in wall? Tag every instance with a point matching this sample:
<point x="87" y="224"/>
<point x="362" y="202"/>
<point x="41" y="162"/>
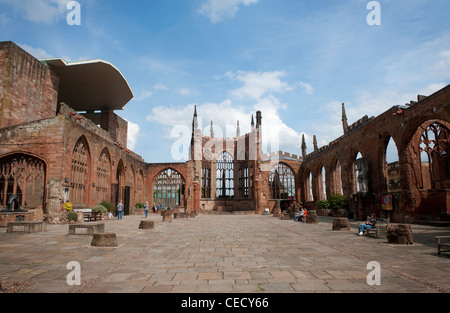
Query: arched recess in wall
<point x="307" y="183"/>
<point x="282" y="182"/>
<point x="434" y="147"/>
<point x="103" y="183"/>
<point x="131" y="184"/>
<point x="323" y="183"/>
<point x="336" y="178"/>
<point x="25" y="176"/>
<point x="357" y="173"/>
<point x="391" y="166"/>
<point x="120" y="186"/>
<point x="140" y="187"/>
<point x="169" y="189"/>
<point x="80" y="172"/>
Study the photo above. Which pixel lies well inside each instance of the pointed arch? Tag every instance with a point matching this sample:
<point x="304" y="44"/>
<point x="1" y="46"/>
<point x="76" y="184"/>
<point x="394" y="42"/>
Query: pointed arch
<point x="169" y="188"/>
<point x="103" y="184"/>
<point x="23" y="175"/>
<point x="225" y="176"/>
<point x="80" y="172"/>
<point x="282" y="182"/>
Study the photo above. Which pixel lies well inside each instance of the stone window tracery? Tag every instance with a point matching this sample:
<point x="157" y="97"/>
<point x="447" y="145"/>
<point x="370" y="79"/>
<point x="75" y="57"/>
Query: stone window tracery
<point x="282" y="183"/>
<point x="168" y="189"/>
<point x="206" y="183"/>
<point x="79" y="172"/>
<point x="24" y="176"/>
<point x="103" y="176"/>
<point x="434" y="147"/>
<point x="225" y="176"/>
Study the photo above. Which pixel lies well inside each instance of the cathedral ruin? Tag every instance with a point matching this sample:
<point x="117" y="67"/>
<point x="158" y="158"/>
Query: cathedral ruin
<point x="61" y="140"/>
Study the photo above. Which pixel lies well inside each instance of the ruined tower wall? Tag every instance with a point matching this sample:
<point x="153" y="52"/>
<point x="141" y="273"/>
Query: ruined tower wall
<point x="28" y="88"/>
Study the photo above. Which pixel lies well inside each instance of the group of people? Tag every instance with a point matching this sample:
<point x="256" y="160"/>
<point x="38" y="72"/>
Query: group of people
<point x="155" y="209"/>
<point x="301" y="215"/>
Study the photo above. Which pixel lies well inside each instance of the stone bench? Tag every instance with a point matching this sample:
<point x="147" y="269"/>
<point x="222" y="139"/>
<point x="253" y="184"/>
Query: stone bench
<point x="443" y="244"/>
<point x="104" y="240"/>
<point x="147" y="225"/>
<point x="91" y="228"/>
<point x="28" y="227"/>
<point x="341" y="223"/>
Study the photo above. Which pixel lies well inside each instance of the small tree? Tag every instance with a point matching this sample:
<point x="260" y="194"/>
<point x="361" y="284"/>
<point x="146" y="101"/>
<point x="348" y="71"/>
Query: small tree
<point x="337" y="202"/>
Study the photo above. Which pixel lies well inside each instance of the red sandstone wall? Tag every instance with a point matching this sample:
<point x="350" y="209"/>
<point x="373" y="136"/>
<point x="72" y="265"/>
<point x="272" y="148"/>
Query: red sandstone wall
<point x="28" y="88"/>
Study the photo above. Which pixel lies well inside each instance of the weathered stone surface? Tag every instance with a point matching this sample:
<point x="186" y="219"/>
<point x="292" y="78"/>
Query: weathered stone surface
<point x="400" y="234"/>
<point x="147" y="225"/>
<point x="312" y="218"/>
<point x="341" y="223"/>
<point x="104" y="240"/>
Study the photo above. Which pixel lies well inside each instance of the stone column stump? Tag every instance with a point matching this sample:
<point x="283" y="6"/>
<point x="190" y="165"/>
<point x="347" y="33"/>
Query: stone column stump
<point x="341" y="223"/>
<point x="147" y="225"/>
<point x="104" y="240"/>
<point x="311" y="217"/>
<point x="400" y="234"/>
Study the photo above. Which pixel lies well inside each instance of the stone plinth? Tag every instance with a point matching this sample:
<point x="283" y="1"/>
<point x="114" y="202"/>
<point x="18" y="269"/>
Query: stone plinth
<point x="147" y="225"/>
<point x="8" y="217"/>
<point x="341" y="223"/>
<point x="311" y="217"/>
<point x="104" y="240"/>
<point x="400" y="234"/>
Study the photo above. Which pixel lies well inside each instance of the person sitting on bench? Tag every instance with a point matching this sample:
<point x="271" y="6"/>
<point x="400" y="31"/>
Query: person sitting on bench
<point x="299" y="217"/>
<point x="369" y="224"/>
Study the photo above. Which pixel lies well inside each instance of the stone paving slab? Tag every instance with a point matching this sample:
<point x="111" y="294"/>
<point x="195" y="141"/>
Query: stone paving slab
<point x="223" y="254"/>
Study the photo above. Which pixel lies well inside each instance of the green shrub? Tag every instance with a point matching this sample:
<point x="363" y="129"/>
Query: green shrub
<point x="323" y="204"/>
<point x="337" y="202"/>
<point x="106" y="204"/>
<point x="72" y="216"/>
<point x="139" y="205"/>
<point x="99" y="209"/>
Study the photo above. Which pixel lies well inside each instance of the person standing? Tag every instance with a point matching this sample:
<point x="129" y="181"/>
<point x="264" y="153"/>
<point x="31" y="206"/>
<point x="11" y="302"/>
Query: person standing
<point x="119" y="210"/>
<point x="146" y="208"/>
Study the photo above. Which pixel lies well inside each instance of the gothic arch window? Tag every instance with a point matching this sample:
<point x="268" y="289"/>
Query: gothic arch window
<point x="225" y="176"/>
<point x="282" y="183"/>
<point x="323" y="183"/>
<point x="206" y="182"/>
<point x="22" y="175"/>
<point x="103" y="176"/>
<point x="168" y="189"/>
<point x="434" y="147"/>
<point x="243" y="182"/>
<point x="79" y="172"/>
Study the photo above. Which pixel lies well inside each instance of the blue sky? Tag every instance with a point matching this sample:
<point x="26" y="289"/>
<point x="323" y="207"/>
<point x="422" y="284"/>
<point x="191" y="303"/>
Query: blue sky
<point x="294" y="60"/>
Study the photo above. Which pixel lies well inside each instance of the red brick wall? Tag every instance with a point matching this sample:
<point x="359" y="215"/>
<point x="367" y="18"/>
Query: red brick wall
<point x="370" y="139"/>
<point x="28" y="88"/>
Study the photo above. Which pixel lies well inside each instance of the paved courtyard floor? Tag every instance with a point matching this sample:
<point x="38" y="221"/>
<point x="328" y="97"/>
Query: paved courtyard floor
<point x="223" y="254"/>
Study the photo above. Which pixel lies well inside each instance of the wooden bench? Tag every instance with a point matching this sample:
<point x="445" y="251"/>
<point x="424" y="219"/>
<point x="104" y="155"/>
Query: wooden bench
<point x="28" y="227"/>
<point x="380" y="229"/>
<point x="92" y="228"/>
<point x="443" y="244"/>
<point x="92" y="216"/>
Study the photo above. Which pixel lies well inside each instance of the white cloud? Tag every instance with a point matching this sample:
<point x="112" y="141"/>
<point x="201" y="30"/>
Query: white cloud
<point x="40" y="11"/>
<point x="144" y="95"/>
<point x="38" y="53"/>
<point x="161" y="87"/>
<point x="133" y="133"/>
<point x="218" y="10"/>
<point x="307" y="88"/>
<point x="185" y="92"/>
<point x="258" y="84"/>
